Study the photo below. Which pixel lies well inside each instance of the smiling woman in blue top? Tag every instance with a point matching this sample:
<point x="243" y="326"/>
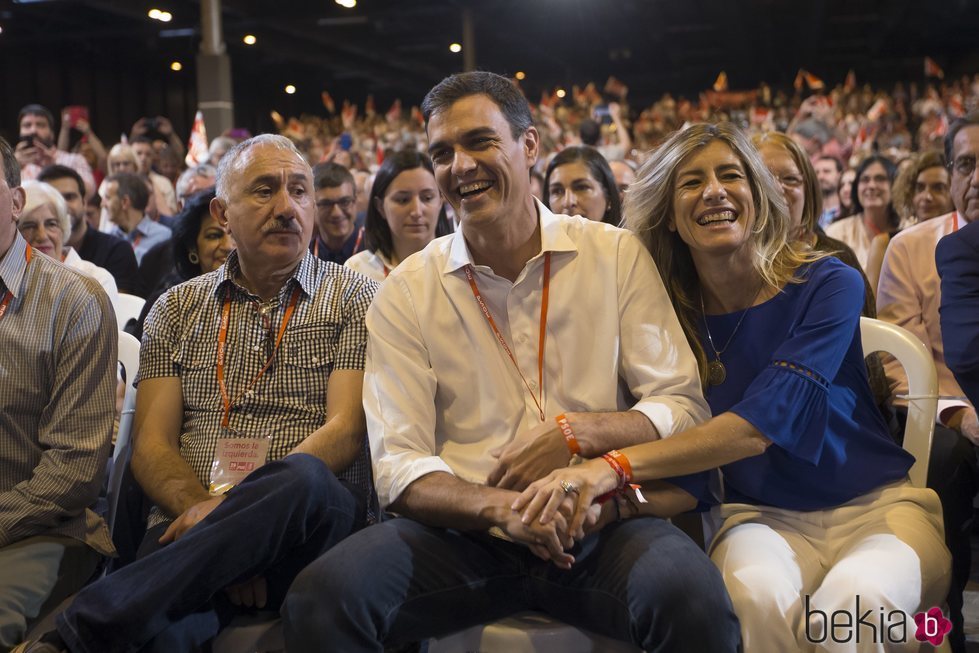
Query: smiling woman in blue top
<point x="817" y="507"/>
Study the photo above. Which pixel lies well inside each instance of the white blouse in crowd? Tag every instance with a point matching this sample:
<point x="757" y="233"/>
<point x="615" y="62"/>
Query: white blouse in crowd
<point x="103" y="276"/>
<point x="370" y="264"/>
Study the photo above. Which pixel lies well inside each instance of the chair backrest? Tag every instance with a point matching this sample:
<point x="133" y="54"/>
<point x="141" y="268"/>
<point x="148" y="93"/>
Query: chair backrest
<point x="919" y="367"/>
<point x="128" y="308"/>
<point x="129" y="359"/>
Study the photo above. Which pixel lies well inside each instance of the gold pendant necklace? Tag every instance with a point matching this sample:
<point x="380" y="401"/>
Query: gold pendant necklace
<point x="716" y="372"/>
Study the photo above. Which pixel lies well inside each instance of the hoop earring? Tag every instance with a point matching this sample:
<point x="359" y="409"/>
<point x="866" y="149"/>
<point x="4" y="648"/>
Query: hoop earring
<point x="193" y="257"/>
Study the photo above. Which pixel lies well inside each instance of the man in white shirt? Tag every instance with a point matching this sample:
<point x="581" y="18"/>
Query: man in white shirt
<point x="909" y="295"/>
<point x="495" y="355"/>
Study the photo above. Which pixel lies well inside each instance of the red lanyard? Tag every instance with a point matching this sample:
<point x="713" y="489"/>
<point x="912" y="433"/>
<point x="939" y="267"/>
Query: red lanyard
<point x="956" y="227"/>
<point x="9" y="295"/>
<point x="222" y="341"/>
<point x="542" y="336"/>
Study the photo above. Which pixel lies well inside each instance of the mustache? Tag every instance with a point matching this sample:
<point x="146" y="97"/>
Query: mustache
<point x="279" y="224"/>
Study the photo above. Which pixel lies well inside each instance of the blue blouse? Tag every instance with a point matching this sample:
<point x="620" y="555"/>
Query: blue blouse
<point x="795" y="371"/>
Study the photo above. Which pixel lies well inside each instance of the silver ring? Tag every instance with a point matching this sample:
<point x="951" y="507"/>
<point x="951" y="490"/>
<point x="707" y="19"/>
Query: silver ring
<point x="569" y="487"/>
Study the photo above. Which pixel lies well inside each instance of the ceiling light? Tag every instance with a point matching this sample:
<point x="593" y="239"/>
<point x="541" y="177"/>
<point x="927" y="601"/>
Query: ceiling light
<point x="249" y="39"/>
<point x="520" y="74"/>
<point x="349" y="4"/>
<point x="176" y="66"/>
<point x="455" y="47"/>
<point x="154" y="14"/>
<point x="560" y="92"/>
<point x="165" y="17"/>
<point x="290" y="89"/>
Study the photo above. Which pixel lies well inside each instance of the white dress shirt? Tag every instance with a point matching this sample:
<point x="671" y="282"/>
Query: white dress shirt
<point x="439" y="391"/>
<point x="909" y="294"/>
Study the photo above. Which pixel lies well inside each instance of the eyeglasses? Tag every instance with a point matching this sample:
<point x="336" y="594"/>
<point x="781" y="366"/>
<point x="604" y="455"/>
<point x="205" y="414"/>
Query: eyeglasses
<point x="327" y="205"/>
<point x="964" y="165"/>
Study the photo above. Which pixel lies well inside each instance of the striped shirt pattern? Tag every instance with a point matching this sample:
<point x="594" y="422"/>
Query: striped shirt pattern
<point x="57" y="400"/>
<point x="288" y="402"/>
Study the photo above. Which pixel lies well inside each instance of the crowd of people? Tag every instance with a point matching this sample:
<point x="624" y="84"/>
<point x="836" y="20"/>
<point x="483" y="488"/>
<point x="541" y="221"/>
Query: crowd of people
<point x="475" y="354"/>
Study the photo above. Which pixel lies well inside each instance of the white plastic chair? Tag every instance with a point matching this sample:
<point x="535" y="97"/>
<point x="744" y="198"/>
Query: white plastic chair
<point x="128" y="308"/>
<point x="528" y="632"/>
<point x="919" y="367"/>
<point x="129" y="359"/>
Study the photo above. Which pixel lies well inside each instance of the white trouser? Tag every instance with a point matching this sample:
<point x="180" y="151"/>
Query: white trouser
<point x="887" y="547"/>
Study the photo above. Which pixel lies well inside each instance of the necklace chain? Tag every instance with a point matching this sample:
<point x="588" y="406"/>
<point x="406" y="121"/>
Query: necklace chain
<point x="710" y="339"/>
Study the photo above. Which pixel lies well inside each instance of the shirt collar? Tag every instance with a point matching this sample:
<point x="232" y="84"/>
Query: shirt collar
<point x="14" y="266"/>
<point x="553" y="238"/>
<point x="304" y="274"/>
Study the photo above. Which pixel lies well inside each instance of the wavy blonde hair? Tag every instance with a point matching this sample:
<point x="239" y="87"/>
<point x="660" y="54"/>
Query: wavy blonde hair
<point x="649" y="207"/>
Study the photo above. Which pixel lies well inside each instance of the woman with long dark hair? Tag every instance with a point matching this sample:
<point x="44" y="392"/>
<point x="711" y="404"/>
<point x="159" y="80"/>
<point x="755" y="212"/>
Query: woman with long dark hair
<point x="404" y="213"/>
<point x="579" y="181"/>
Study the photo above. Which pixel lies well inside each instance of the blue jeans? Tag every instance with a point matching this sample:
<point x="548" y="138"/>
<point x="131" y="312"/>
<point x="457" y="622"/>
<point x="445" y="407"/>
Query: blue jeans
<point x="279" y="519"/>
<point x="640" y="580"/>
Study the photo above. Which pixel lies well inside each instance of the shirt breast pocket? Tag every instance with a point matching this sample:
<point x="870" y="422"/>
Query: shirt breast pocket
<point x="306" y="363"/>
<point x="199" y="378"/>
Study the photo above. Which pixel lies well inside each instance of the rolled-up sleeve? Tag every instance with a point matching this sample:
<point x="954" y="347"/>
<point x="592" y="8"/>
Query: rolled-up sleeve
<point x="655" y="359"/>
<point x="399" y="394"/>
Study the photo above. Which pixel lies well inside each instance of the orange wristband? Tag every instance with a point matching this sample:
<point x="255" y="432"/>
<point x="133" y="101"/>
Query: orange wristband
<point x="620" y="465"/>
<point x="568" y="433"/>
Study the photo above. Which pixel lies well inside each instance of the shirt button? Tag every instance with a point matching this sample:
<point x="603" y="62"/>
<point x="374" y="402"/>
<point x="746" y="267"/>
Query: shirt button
<point x="522" y="338"/>
<point x="316" y="359"/>
<point x="254" y="347"/>
<point x="533" y="385"/>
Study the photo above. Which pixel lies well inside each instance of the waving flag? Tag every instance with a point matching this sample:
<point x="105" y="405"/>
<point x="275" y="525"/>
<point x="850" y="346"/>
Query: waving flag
<point x="197" y="144"/>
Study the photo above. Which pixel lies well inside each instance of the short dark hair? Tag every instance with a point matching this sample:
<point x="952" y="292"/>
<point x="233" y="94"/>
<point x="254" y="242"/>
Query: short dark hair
<point x="36" y="110"/>
<point x="499" y="89"/>
<point x="11" y="169"/>
<point x="186" y="227"/>
<point x="600" y="171"/>
<point x="376" y="228"/>
<point x="893" y="219"/>
<point x="836" y="161"/>
<point x="589" y="131"/>
<point x="142" y="138"/>
<point x="56" y="171"/>
<point x="955" y="128"/>
<point x="332" y="175"/>
<point x="132" y="186"/>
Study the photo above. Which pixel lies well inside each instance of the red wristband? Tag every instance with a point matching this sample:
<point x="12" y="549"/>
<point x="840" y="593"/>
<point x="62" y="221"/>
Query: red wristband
<point x="620" y="465"/>
<point x="568" y="433"/>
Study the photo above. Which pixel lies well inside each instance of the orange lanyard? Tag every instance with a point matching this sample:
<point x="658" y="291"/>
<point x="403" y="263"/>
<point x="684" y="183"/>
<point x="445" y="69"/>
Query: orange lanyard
<point x="222" y="342"/>
<point x="956" y="227"/>
<point x="542" y="336"/>
<point x="9" y="295"/>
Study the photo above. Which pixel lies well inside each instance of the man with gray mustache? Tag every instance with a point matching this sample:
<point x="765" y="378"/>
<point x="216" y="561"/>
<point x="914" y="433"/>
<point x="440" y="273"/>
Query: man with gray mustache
<point x="249" y="430"/>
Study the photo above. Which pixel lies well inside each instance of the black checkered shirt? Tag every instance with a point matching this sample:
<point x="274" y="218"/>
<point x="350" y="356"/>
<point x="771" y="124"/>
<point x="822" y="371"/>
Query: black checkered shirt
<point x="326" y="332"/>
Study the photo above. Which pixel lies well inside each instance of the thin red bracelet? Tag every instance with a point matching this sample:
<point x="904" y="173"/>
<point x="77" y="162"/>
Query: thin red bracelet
<point x="620" y="465"/>
<point x="568" y="433"/>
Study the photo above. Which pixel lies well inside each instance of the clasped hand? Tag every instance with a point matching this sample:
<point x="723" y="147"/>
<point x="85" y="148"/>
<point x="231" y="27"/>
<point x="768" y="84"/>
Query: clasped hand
<point x="548" y="499"/>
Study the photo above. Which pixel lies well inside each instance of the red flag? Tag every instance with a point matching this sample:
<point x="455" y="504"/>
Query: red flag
<point x="878" y="110"/>
<point x="615" y="87"/>
<point x="850" y="83"/>
<point x="800" y="79"/>
<point x="328" y="102"/>
<point x="197" y="144"/>
<point x="416" y="115"/>
<point x="394" y="113"/>
<point x="932" y="69"/>
<point x="720" y="84"/>
<point x="814" y="82"/>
